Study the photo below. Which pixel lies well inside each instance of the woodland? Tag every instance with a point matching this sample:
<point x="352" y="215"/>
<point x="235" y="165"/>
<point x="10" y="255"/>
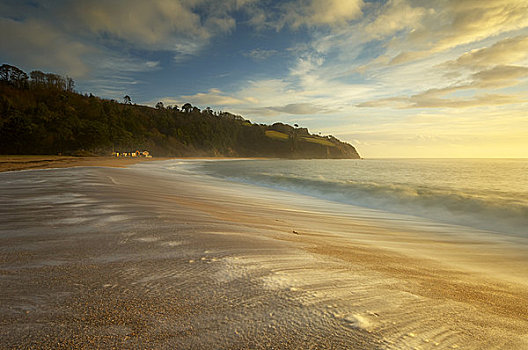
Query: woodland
<point x="41" y="113"/>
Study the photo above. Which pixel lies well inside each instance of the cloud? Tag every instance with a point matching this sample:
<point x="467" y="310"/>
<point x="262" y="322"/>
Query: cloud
<point x="408" y="56"/>
<point x="152" y="64"/>
<point x="493" y="78"/>
<point x="332" y="12"/>
<point x="498" y="77"/>
<point x="98" y="40"/>
<point x="489" y="131"/>
<point x="37" y="44"/>
<point x="424" y="101"/>
<point x="506" y="51"/>
<point x="449" y="24"/>
<point x="474" y="20"/>
<point x="260" y="54"/>
<point x="434" y="99"/>
<point x="172" y="25"/>
<point x="395" y="16"/>
<point x="65" y="32"/>
<point x="394" y="56"/>
<point x="396" y="102"/>
<point x="213" y="98"/>
<point x="472" y="79"/>
<point x="266" y="92"/>
<point x="305" y="13"/>
<point x="111" y="62"/>
<point x="292" y="108"/>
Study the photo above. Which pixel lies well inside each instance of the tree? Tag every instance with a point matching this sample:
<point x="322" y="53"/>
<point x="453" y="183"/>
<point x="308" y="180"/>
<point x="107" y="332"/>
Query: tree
<point x="208" y="111"/>
<point x="19" y="78"/>
<point x="159" y="105"/>
<point x="48" y="118"/>
<point x="16" y="135"/>
<point x="37" y="77"/>
<point x="13" y="75"/>
<point x="4" y="72"/>
<point x="69" y="84"/>
<point x="187" y="107"/>
<point x="55" y="81"/>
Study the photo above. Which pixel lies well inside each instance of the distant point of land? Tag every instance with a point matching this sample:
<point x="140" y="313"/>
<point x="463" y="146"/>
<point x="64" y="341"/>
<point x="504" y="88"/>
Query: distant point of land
<point x="41" y="113"/>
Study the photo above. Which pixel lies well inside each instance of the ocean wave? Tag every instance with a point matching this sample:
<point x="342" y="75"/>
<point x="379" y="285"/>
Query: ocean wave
<point x="477" y="210"/>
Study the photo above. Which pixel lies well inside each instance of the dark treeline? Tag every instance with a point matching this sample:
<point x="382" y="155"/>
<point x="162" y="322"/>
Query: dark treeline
<point x="42" y="114"/>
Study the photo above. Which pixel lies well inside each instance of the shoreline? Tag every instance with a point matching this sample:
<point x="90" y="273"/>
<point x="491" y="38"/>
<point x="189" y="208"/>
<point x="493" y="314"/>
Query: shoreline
<point x="31" y="162"/>
<point x="147" y="256"/>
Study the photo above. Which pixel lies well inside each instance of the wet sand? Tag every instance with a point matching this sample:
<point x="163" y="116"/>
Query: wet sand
<point x="13" y="163"/>
<point x="146" y="257"/>
<point x="32" y="162"/>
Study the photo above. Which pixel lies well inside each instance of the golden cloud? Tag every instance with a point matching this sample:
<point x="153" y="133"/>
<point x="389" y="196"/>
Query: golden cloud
<point x="506" y="51"/>
<point x="494" y="78"/>
<point x="430" y="100"/>
<point x="472" y="20"/>
<point x="396" y="15"/>
<point x="319" y="12"/>
<point x="440" y="26"/>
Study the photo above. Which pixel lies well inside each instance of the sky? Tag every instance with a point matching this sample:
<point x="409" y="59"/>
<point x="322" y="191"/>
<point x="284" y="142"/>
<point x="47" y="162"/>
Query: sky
<point x="397" y="78"/>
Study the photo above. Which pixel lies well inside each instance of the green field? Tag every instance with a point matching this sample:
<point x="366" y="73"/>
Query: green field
<point x="276" y="135"/>
<point x="319" y="140"/>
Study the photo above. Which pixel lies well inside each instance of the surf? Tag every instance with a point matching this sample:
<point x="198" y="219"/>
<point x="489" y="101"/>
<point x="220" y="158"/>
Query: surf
<point x="456" y="198"/>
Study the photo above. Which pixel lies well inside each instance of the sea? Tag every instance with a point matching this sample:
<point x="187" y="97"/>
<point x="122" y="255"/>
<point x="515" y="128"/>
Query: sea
<point x="485" y="194"/>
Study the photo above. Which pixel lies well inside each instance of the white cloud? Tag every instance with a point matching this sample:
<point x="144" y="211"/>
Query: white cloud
<point x="305" y="13"/>
<point x="395" y="16"/>
<point x="213" y="98"/>
<point x="292" y="108"/>
<point x="260" y="54"/>
<point x="65" y="34"/>
<point x="152" y="64"/>
<point x="156" y="24"/>
<point x="332" y="12"/>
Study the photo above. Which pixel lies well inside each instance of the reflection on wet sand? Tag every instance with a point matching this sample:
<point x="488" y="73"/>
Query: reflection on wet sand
<point x="141" y="257"/>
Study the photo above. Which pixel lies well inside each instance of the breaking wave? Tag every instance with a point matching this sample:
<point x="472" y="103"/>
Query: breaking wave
<point x="481" y="210"/>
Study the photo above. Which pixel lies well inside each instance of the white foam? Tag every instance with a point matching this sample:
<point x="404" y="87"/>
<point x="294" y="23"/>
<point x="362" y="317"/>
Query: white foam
<point x="71" y="221"/>
<point x="173" y="243"/>
<point x="147" y="239"/>
<point x="115" y="218"/>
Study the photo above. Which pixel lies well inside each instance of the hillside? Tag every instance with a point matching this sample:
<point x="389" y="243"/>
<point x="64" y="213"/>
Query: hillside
<point x="44" y="115"/>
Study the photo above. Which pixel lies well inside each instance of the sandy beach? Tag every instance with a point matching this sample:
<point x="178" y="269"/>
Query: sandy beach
<point x="13" y="163"/>
<point x="32" y="162"/>
<point x="143" y="257"/>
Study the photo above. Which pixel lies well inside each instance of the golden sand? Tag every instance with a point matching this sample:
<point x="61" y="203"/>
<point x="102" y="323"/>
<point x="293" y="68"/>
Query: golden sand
<point x="27" y="162"/>
<point x="132" y="258"/>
